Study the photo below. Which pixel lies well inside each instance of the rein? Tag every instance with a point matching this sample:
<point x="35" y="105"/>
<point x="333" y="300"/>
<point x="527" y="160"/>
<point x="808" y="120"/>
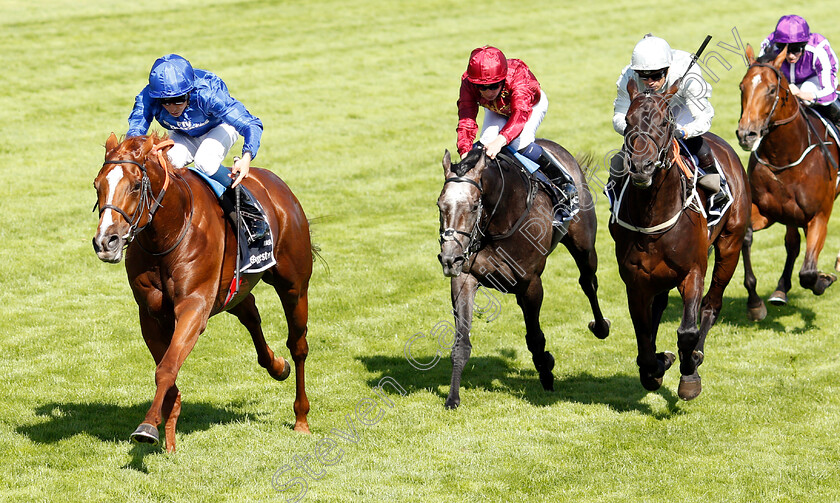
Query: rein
<point x="148" y="201"/>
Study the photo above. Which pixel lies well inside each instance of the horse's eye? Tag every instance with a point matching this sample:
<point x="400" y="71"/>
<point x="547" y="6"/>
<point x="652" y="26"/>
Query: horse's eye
<point x="136" y="187"/>
<point x="771" y="90"/>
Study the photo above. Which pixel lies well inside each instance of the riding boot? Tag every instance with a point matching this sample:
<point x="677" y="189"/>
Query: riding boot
<point x="831" y="111"/>
<point x="255" y="226"/>
<point x="565" y="195"/>
<point x="710" y="180"/>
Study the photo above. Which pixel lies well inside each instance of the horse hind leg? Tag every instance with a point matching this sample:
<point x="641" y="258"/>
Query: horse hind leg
<point x="792" y="245"/>
<point x="587" y="263"/>
<point x="756" y="310"/>
<point x="248" y="314"/>
<point x="296" y="306"/>
<point x="530" y="301"/>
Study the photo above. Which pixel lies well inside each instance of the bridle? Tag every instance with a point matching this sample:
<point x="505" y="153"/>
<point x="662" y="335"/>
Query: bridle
<point x="149" y="203"/>
<point x="450" y="233"/>
<point x="768" y="122"/>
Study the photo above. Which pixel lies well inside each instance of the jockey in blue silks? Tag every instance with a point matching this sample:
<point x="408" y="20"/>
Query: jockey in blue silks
<point x="204" y="122"/>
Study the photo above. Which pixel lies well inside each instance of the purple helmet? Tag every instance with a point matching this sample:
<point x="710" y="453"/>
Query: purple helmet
<point x="791" y="29"/>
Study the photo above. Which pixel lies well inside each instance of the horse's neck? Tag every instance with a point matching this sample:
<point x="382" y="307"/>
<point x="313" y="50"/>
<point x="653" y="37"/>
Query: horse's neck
<point x="785" y="143"/>
<point x="657" y="203"/>
<point x="500" y="205"/>
<point x="169" y="220"/>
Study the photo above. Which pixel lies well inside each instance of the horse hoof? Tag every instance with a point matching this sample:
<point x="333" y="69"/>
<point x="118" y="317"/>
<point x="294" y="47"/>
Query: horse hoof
<point x="601" y="330"/>
<point x="651" y="383"/>
<point x="757" y="313"/>
<point x="824" y="281"/>
<point x="690" y="387"/>
<point x="287" y="369"/>
<point x="145" y="434"/>
<point x="779" y="298"/>
<point x="451" y="404"/>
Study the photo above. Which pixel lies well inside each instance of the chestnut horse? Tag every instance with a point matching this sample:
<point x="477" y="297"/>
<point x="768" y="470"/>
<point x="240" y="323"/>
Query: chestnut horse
<point x="793" y="173"/>
<point x="496" y="231"/>
<point x="663" y="242"/>
<point x="180" y="260"/>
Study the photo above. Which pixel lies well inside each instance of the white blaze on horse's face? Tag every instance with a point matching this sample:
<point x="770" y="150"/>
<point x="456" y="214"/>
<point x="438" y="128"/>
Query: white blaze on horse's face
<point x="113" y="178"/>
<point x="756" y="80"/>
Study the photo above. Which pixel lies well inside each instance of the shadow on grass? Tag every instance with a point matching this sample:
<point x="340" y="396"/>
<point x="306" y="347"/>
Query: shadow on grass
<point x="114" y="423"/>
<point x="623" y="393"/>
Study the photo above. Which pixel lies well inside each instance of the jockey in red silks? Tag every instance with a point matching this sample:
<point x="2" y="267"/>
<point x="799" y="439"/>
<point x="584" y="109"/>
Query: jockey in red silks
<point x="205" y="122"/>
<point x="811" y="67"/>
<point x="515" y="105"/>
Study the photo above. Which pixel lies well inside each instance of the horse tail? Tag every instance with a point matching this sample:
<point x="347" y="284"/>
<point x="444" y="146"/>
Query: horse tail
<point x="586" y="161"/>
<point x="314" y="248"/>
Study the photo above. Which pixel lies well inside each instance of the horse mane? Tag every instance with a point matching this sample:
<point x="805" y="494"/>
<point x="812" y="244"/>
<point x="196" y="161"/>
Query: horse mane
<point x="766" y="58"/>
<point x="468" y="162"/>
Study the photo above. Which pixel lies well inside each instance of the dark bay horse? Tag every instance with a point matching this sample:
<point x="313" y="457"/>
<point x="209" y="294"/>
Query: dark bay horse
<point x="792" y="172"/>
<point x="661" y="244"/>
<point x="180" y="262"/>
<point x="496" y="231"/>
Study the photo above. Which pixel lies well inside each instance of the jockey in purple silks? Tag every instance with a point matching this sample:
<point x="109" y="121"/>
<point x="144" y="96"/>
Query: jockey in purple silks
<point x="811" y="65"/>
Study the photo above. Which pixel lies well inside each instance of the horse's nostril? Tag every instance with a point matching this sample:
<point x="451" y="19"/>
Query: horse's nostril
<point x="96" y="246"/>
<point x="112" y="243"/>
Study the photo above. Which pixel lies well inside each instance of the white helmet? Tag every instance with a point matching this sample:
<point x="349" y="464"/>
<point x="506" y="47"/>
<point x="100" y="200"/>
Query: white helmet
<point x="651" y="53"/>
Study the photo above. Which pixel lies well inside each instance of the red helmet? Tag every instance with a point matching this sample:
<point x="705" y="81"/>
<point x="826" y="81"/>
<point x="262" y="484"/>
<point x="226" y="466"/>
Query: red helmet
<point x="487" y="65"/>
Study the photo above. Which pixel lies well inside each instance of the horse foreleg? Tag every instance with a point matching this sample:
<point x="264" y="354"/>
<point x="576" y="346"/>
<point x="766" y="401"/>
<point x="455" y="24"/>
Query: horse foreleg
<point x="248" y="314"/>
<point x="756" y="310"/>
<point x="296" y="307"/>
<point x="191" y="320"/>
<point x="688" y="335"/>
<point x="463" y="288"/>
<point x="645" y="312"/>
<point x="530" y="301"/>
<point x="810" y="276"/>
<point x="587" y="263"/>
<point x="792" y="244"/>
<point x="726" y="261"/>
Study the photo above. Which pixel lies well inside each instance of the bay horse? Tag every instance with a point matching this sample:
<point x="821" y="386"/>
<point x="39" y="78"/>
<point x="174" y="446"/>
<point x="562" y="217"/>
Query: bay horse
<point x="180" y="260"/>
<point x="793" y="173"/>
<point x="661" y="244"/>
<point x="496" y="231"/>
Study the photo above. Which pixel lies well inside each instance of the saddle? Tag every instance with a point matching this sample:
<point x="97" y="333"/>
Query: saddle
<point x="255" y="257"/>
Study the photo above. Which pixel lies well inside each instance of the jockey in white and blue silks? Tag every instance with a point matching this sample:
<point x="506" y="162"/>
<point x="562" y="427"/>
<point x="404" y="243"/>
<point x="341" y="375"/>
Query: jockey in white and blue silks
<point x="204" y="122"/>
<point x="811" y="67"/>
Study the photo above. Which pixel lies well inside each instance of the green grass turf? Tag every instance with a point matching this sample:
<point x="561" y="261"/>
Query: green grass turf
<point x="358" y="100"/>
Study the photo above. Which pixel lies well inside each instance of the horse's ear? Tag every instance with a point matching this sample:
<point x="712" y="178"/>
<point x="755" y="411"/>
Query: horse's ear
<point x="750" y="53"/>
<point x="447" y="162"/>
<point x="673" y="89"/>
<point x="111" y="143"/>
<point x="780" y="58"/>
<point x="148" y="145"/>
<point x="632" y="88"/>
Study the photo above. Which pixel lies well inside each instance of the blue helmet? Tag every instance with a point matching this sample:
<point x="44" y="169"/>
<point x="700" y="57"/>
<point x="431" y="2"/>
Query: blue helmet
<point x="171" y="76"/>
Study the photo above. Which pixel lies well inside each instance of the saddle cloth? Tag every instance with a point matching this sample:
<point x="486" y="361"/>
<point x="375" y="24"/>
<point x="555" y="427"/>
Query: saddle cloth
<point x="570" y="209"/>
<point x="258" y="256"/>
<point x="716" y="204"/>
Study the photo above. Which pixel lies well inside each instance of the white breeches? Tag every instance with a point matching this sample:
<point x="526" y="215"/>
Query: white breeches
<point x="493" y="123"/>
<point x="206" y="151"/>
